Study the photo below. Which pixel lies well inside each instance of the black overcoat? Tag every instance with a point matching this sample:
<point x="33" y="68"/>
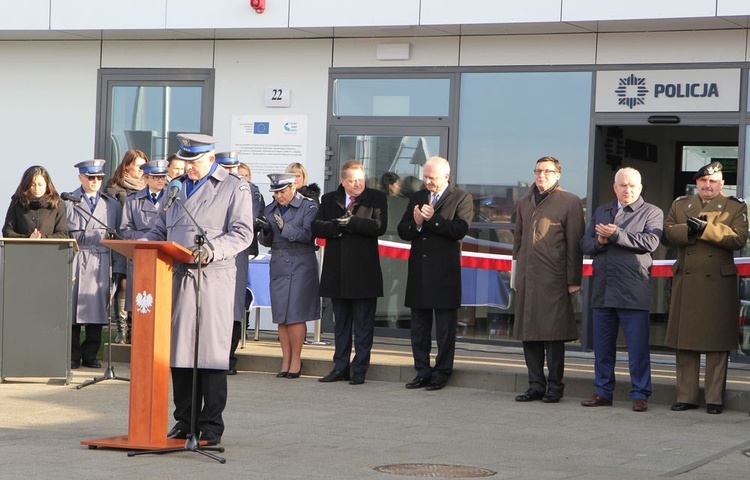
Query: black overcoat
<point x="351" y="265"/>
<point x="434" y="279"/>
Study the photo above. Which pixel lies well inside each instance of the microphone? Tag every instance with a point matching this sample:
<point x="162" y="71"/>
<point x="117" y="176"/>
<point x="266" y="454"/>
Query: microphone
<point x="70" y="197"/>
<point x="174" y="189"/>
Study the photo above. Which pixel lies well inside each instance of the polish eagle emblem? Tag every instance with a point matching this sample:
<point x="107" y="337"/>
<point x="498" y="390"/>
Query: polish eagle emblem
<point x="145" y="301"/>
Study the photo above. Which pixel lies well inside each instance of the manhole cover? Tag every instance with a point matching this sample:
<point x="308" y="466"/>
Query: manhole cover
<point x="435" y="470"/>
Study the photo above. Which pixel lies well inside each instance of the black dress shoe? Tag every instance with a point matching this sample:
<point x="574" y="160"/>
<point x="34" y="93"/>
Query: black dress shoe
<point x="551" y="398"/>
<point x="177" y="432"/>
<point x="75" y="364"/>
<point x="681" y="406"/>
<point x="436" y="384"/>
<point x="335" y="376"/>
<point x="529" y="396"/>
<point x="293" y="375"/>
<point x="232" y="371"/>
<point x="211" y="438"/>
<point x="357" y="379"/>
<point x="282" y="374"/>
<point x="714" y="409"/>
<point x="91" y="363"/>
<point x="418" y="382"/>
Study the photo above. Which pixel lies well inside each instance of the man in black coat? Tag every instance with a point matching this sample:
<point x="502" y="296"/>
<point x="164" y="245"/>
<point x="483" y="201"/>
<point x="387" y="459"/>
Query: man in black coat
<point x="351" y="219"/>
<point x="435" y="222"/>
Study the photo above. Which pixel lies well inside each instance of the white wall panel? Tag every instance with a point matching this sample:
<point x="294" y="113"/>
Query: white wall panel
<point x="732" y="7"/>
<point x="352" y="13"/>
<point x="48" y="102"/>
<point x="597" y="10"/>
<point x="672" y="47"/>
<point x="226" y="14"/>
<point x="109" y="14"/>
<point x="451" y="12"/>
<point x="24" y="14"/>
<point x="424" y="51"/>
<point x="157" y="54"/>
<point x="568" y="49"/>
<point x="244" y="69"/>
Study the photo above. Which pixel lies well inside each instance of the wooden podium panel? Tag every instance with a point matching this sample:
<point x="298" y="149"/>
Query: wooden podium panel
<point x="150" y="349"/>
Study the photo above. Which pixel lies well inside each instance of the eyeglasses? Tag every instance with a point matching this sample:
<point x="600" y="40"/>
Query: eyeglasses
<point x="94" y="179"/>
<point x="538" y="172"/>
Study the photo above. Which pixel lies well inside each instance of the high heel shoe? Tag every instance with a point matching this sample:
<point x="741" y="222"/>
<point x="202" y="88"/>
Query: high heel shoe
<point x="295" y="374"/>
<point x="282" y="374"/>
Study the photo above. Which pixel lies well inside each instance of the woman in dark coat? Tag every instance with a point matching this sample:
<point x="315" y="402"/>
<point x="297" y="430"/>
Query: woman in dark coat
<point x="311" y="191"/>
<point x="36" y="210"/>
<point x="294" y="267"/>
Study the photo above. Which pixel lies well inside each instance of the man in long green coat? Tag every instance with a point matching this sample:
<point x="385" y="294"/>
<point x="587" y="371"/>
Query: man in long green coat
<point x="706" y="228"/>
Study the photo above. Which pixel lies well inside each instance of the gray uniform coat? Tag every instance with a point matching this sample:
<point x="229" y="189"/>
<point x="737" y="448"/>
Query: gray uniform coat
<point x="91" y="264"/>
<point x="220" y="207"/>
<point x="705" y="303"/>
<point x="547" y="248"/>
<point x="295" y="296"/>
<point x="139" y="216"/>
<point x="621" y="267"/>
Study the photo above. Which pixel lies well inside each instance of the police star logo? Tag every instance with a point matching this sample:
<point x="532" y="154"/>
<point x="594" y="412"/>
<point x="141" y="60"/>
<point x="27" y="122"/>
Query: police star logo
<point x="145" y="301"/>
<point x="631" y="91"/>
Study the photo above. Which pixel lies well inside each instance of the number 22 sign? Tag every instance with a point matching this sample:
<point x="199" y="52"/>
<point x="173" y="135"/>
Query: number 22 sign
<point x="277" y="97"/>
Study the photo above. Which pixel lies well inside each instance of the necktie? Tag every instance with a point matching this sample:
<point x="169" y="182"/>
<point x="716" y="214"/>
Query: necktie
<point x="619" y="215"/>
<point x="153" y="198"/>
<point x="351" y="202"/>
<point x="435" y="198"/>
<point x="92" y="202"/>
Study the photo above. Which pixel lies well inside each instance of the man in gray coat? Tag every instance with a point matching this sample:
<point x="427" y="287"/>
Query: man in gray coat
<point x="620" y="238"/>
<point x="218" y="201"/>
<point x="90" y="215"/>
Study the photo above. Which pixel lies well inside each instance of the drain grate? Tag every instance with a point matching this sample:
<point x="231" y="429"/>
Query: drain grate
<point x="434" y="470"/>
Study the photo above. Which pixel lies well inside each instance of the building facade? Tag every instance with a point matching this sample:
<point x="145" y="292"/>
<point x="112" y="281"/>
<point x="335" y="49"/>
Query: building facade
<point x="658" y="85"/>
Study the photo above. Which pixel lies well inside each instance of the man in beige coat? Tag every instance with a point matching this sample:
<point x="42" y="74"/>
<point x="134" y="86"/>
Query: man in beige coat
<point x="706" y="228"/>
<point x="546" y="247"/>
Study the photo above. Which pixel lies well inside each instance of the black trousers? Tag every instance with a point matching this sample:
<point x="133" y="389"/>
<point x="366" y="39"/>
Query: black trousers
<point x="210" y="398"/>
<point x="236" y="335"/>
<point x="353" y="316"/>
<point x="421" y="341"/>
<point x="89" y="348"/>
<point x="534" y="353"/>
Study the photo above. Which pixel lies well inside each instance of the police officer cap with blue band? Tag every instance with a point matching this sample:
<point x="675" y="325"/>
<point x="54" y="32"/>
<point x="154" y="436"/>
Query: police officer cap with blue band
<point x="91" y="168"/>
<point x="709" y="169"/>
<point x="155" y="168"/>
<point x="228" y="159"/>
<point x="279" y="181"/>
<point x="193" y="145"/>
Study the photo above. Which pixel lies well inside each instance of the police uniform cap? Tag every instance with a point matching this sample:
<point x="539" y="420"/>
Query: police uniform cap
<point x="193" y="145"/>
<point x="279" y="181"/>
<point x="228" y="159"/>
<point x="91" y="168"/>
<point x="155" y="168"/>
<point x="710" y="169"/>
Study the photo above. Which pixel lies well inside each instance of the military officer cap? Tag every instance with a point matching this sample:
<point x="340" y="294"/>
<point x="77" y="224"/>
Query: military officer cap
<point x="155" y="168"/>
<point x="710" y="169"/>
<point x="91" y="168"/>
<point x="279" y="181"/>
<point x="228" y="159"/>
<point x="193" y="145"/>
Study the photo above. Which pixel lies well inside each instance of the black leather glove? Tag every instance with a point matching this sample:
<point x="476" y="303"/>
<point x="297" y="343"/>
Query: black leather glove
<point x="343" y="220"/>
<point x="201" y="254"/>
<point x="262" y="224"/>
<point x="696" y="225"/>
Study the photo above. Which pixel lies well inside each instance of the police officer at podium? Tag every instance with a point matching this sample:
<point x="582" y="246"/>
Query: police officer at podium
<point x="218" y="202"/>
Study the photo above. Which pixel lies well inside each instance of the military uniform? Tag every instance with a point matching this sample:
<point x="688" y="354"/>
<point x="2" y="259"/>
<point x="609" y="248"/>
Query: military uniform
<point x="705" y="303"/>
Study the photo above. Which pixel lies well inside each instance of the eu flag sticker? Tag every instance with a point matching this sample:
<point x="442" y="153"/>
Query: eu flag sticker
<point x="261" y="128"/>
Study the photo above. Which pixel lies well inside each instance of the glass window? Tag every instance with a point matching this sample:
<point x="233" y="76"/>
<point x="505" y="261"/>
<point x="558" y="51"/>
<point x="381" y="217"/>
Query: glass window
<point x="509" y="120"/>
<point x="391" y="97"/>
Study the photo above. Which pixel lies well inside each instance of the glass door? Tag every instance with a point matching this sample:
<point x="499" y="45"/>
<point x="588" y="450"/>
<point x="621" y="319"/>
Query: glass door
<point x="389" y="154"/>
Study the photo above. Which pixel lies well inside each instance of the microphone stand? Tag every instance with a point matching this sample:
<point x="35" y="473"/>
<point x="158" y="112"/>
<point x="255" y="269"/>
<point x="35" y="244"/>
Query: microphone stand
<point x="192" y="443"/>
<point x="109" y="370"/>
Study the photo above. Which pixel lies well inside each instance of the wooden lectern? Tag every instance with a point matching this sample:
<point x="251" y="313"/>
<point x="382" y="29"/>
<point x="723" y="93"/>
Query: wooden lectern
<point x="149" y="352"/>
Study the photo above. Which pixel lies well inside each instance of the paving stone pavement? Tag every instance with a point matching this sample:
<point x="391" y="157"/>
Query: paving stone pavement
<point x="302" y="429"/>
